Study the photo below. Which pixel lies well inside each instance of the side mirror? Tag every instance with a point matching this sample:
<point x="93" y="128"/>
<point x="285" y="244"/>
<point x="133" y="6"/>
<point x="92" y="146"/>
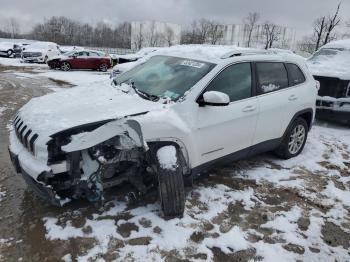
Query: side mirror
<point x="214" y="98"/>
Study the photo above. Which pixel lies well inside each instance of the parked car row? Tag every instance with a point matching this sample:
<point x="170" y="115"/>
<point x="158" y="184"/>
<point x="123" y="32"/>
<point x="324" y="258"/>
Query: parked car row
<point x="10" y="49"/>
<point x="83" y="59"/>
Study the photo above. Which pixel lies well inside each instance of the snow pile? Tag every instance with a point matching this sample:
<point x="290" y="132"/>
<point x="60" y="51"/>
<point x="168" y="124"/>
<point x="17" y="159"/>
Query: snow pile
<point x="269" y="88"/>
<point x="167" y="157"/>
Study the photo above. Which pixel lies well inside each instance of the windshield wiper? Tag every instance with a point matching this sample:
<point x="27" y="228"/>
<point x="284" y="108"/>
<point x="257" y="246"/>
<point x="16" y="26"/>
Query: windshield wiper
<point x="143" y="94"/>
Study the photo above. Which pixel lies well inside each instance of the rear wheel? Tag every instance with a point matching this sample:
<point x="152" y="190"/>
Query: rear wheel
<point x="294" y="141"/>
<point x="65" y="66"/>
<point x="103" y="67"/>
<point x="171" y="187"/>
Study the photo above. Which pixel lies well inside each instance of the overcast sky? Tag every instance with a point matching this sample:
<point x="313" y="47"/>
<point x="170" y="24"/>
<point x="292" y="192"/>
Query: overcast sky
<point x="298" y="14"/>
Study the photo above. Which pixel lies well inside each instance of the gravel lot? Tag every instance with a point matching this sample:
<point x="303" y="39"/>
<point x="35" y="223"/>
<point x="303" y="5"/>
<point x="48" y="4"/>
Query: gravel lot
<point x="259" y="209"/>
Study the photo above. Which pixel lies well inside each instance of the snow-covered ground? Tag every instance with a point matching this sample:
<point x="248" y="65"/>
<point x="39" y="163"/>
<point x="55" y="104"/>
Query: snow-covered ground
<point x="260" y="208"/>
<point x="257" y="209"/>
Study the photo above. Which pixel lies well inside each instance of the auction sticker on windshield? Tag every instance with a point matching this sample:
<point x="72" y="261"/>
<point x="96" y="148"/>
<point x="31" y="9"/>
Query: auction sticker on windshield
<point x="192" y="63"/>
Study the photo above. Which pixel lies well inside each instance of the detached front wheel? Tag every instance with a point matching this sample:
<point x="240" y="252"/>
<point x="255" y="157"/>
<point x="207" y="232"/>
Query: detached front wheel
<point x="170" y="181"/>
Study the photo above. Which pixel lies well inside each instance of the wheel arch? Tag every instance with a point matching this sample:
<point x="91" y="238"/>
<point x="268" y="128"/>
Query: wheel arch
<point x="155" y="145"/>
<point x="306" y="114"/>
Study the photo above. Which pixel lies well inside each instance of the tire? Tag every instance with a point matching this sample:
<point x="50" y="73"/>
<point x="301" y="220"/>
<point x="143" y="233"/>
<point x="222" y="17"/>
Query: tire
<point x="65" y="66"/>
<point x="9" y="53"/>
<point x="171" y="189"/>
<point x="103" y="67"/>
<point x="294" y="141"/>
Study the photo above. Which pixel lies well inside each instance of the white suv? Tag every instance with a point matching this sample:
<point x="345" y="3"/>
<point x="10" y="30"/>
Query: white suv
<point x="163" y="122"/>
<point x="40" y="52"/>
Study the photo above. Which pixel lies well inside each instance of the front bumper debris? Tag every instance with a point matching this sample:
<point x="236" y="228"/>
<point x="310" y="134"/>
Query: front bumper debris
<point x="44" y="192"/>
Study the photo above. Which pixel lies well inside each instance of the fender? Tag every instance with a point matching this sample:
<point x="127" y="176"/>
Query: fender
<point x="298" y="114"/>
<point x="124" y="128"/>
<point x="154" y="145"/>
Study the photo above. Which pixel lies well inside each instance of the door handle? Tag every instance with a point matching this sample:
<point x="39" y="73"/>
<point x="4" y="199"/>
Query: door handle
<point x="292" y="98"/>
<point x="249" y="108"/>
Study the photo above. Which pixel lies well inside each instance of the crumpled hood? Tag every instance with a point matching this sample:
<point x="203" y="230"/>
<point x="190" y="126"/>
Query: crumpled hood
<point x="62" y="110"/>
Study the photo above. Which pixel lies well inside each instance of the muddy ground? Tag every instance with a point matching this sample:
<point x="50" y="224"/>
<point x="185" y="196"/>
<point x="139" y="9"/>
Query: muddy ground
<point x="23" y="228"/>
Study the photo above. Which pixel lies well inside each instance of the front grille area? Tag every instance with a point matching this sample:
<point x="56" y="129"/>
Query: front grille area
<point x="24" y="134"/>
<point x="330" y="86"/>
<point x="324" y="103"/>
<point x="31" y="54"/>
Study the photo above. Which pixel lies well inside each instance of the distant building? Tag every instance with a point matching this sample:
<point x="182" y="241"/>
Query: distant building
<point x="154" y="33"/>
<point x="239" y="34"/>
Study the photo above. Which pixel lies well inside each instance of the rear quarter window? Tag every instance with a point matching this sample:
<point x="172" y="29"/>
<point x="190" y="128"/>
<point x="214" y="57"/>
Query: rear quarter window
<point x="272" y="76"/>
<point x="296" y="76"/>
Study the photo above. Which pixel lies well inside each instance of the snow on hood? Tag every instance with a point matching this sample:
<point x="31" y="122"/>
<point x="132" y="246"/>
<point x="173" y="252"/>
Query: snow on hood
<point x="345" y="43"/>
<point x="331" y="66"/>
<point x="125" y="66"/>
<point x="32" y="50"/>
<point x="59" y="111"/>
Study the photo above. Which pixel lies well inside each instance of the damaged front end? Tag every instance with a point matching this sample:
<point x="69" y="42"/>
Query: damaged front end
<point x="96" y="159"/>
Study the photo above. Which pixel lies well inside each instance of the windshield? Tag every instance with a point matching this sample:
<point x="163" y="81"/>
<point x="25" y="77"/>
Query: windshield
<point x="70" y="53"/>
<point x="326" y="53"/>
<point x="165" y="76"/>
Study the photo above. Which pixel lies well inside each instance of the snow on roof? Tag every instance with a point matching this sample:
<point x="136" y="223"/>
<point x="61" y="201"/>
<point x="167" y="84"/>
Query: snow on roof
<point x="345" y="43"/>
<point x="210" y="53"/>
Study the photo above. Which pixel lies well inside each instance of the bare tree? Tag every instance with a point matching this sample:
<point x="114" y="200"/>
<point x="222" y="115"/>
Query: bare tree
<point x="251" y="22"/>
<point x="271" y="33"/>
<point x="333" y="22"/>
<point x="12" y="27"/>
<point x="319" y="26"/>
<point x="307" y="45"/>
<point x="139" y="39"/>
<point x="215" y="33"/>
<point x="169" y="35"/>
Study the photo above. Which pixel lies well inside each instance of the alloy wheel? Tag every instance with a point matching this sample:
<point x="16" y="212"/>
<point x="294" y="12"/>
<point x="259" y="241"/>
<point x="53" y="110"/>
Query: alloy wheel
<point x="296" y="139"/>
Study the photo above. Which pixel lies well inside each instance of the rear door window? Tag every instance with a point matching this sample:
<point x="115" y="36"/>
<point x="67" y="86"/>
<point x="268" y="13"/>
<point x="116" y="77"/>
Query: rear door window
<point x="295" y="74"/>
<point x="272" y="76"/>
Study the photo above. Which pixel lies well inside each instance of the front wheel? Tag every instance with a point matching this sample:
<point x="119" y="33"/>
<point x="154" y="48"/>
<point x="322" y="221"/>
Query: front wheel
<point x="9" y="53"/>
<point x="170" y="181"/>
<point x="65" y="66"/>
<point x="294" y="141"/>
<point x="103" y="67"/>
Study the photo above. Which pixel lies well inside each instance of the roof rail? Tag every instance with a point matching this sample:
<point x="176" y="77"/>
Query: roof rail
<point x="244" y="52"/>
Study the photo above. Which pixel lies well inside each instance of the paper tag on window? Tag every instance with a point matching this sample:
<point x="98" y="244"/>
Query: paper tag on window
<point x="192" y="63"/>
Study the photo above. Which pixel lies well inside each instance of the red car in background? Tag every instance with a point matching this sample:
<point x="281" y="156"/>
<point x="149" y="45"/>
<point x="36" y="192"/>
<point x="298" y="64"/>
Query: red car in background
<point x="82" y="59"/>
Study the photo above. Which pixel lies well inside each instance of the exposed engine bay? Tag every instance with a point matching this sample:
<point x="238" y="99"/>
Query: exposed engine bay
<point x="98" y="159"/>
